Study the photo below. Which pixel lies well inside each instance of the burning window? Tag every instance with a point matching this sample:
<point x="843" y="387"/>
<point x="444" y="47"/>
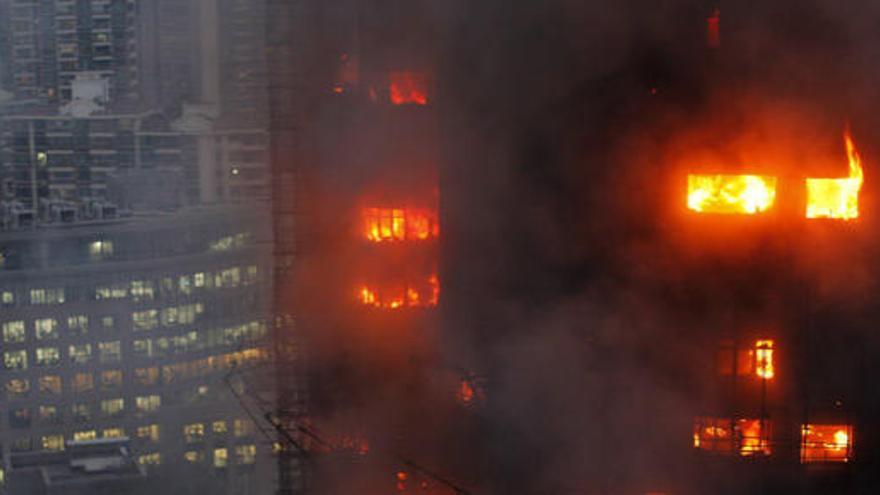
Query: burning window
<point x="408" y="88"/>
<point x="747" y="437"/>
<point x="826" y="443"/>
<point x="837" y="198"/>
<point x="423" y="295"/>
<point x="731" y="194"/>
<point x="400" y="224"/>
<point x="756" y="359"/>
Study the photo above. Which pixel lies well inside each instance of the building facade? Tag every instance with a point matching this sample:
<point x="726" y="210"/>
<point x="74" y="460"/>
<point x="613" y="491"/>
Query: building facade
<point x="137" y="329"/>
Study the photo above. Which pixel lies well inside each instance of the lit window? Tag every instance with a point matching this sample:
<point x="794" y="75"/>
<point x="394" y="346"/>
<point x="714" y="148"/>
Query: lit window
<point x="145" y="320"/>
<point x="146" y="376"/>
<point x="826" y="443"/>
<point x="17" y="388"/>
<point x="99" y="250"/>
<point x="246" y="454"/>
<point x="78" y="325"/>
<point x="47" y="296"/>
<point x="150" y="432"/>
<point x="109" y="352"/>
<point x="15" y="360"/>
<point x="46" y="328"/>
<point x="219" y="427"/>
<point x="48" y="356"/>
<point x="81" y="412"/>
<point x="49" y="414"/>
<point x="113" y="433"/>
<point x="53" y="442"/>
<point x="199" y="279"/>
<point x="221" y="458"/>
<point x="142" y="348"/>
<point x="13" y="332"/>
<point x="115" y="291"/>
<point x="193" y="456"/>
<point x="112" y="407"/>
<point x="107" y="322"/>
<point x="80" y="354"/>
<point x="152" y="459"/>
<point x="242" y="427"/>
<point x="82" y="382"/>
<point x="142" y="290"/>
<point x="194" y="432"/>
<point x="79" y="436"/>
<point x="747" y="437"/>
<point x="756" y="359"/>
<point x="50" y="384"/>
<point x="8" y="298"/>
<point x="400" y="224"/>
<point x="111" y="379"/>
<point x="147" y="403"/>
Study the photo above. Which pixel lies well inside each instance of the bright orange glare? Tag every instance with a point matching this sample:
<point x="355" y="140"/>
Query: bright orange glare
<point x="764" y="359"/>
<point x="745" y="437"/>
<point x="423" y="296"/>
<point x="753" y="438"/>
<point x="400" y="224"/>
<point x="826" y="443"/>
<point x="731" y="194"/>
<point x="408" y="88"/>
<point x="837" y="198"/>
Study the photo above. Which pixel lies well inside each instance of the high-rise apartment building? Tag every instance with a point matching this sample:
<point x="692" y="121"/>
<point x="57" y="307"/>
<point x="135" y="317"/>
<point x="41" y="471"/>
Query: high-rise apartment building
<point x="48" y="43"/>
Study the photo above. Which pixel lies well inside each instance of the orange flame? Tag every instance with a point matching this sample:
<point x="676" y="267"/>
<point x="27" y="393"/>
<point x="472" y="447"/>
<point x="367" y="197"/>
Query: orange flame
<point x="764" y="359"/>
<point x="753" y="437"/>
<point x="400" y="224"/>
<point x="408" y="88"/>
<point x="837" y="198"/>
<point x="826" y="443"/>
<point x="426" y="296"/>
<point x="731" y="194"/>
<point x="746" y="437"/>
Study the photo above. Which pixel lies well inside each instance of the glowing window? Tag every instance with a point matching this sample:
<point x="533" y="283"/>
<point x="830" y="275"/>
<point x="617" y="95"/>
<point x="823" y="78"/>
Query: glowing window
<point x="400" y="224"/>
<point x="46" y="328"/>
<point x="731" y="194"/>
<point x="50" y="384"/>
<point x="99" y="250"/>
<point x="219" y="427"/>
<point x="145" y="320"/>
<point x="756" y="359"/>
<point x="746" y="437"/>
<point x="194" y="432"/>
<point x="147" y="403"/>
<point x="80" y="354"/>
<point x="112" y="407"/>
<point x="48" y="356"/>
<point x="78" y="325"/>
<point x="17" y="388"/>
<point x="150" y="432"/>
<point x="113" y="433"/>
<point x="152" y="459"/>
<point x="82" y="382"/>
<point x="826" y="443"/>
<point x="53" y="442"/>
<point x="49" y="414"/>
<point x="242" y="427"/>
<point x="111" y="379"/>
<point x="15" y="360"/>
<point x="425" y="295"/>
<point x="221" y="458"/>
<point x="79" y="436"/>
<point x="146" y="376"/>
<point x="109" y="352"/>
<point x="246" y="454"/>
<point x="837" y="198"/>
<point x="193" y="456"/>
<point x="13" y="332"/>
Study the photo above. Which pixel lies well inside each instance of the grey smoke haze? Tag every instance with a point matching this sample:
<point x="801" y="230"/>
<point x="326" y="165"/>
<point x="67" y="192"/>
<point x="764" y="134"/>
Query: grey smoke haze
<point x="570" y="279"/>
